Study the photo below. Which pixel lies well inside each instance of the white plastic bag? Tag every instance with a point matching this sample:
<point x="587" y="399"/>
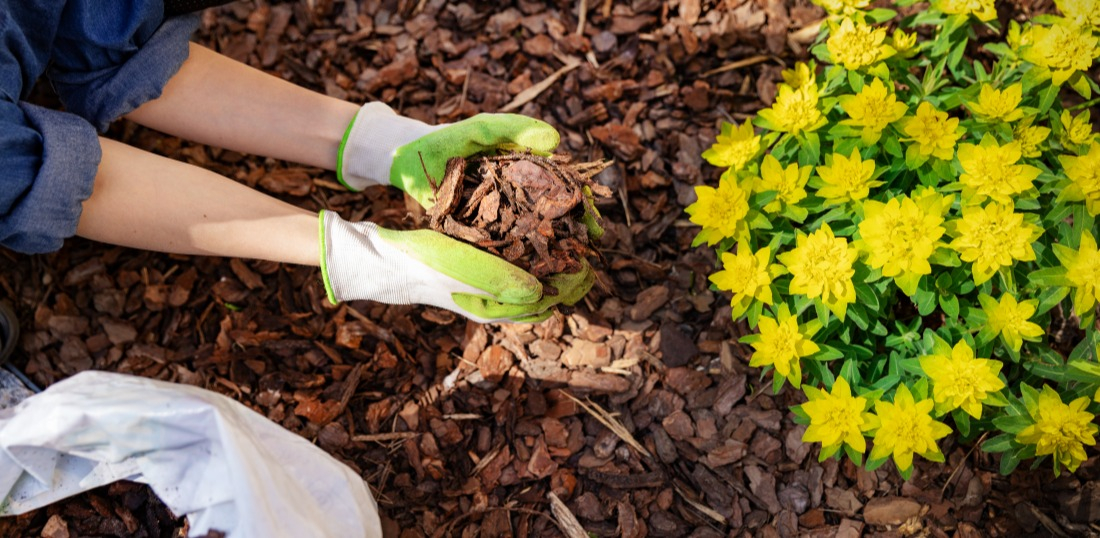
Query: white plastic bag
<point x="206" y="456"/>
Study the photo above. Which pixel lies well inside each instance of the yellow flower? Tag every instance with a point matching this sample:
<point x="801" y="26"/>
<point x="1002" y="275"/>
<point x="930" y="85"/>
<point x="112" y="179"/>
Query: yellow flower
<point x="1084" y="174"/>
<point x="1059" y="430"/>
<point x="788" y="183"/>
<point x="794" y="111"/>
<point x="961" y="380"/>
<point x="982" y="9"/>
<point x="821" y="266"/>
<point x="899" y="237"/>
<point x="721" y="212"/>
<point x="856" y="45"/>
<point x="992" y="237"/>
<point x="836" y="418"/>
<point x="991" y="171"/>
<point x="1030" y="138"/>
<point x="781" y="344"/>
<point x="1063" y="48"/>
<point x="873" y="108"/>
<point x="1076" y="130"/>
<point x="842" y="7"/>
<point x="749" y="276"/>
<point x="932" y="132"/>
<point x="1083" y="271"/>
<point x="1009" y="319"/>
<point x="800" y="76"/>
<point x="1080" y="12"/>
<point x="905" y="44"/>
<point x="906" y="429"/>
<point x="735" y="146"/>
<point x="999" y="105"/>
<point x="846" y="178"/>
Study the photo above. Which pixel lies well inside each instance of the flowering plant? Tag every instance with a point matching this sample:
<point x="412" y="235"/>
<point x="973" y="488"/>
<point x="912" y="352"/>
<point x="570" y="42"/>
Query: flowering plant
<point x="905" y="227"/>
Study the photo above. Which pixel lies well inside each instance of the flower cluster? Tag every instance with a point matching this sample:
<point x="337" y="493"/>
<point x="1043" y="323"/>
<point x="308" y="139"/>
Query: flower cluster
<point x="898" y="237"/>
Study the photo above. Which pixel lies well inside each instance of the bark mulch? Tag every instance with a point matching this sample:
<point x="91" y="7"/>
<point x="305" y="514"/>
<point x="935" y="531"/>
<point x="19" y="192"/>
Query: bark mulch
<point x="636" y="408"/>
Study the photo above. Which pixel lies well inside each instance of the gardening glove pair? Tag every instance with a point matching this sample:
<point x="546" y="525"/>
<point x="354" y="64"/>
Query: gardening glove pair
<point x="364" y="261"/>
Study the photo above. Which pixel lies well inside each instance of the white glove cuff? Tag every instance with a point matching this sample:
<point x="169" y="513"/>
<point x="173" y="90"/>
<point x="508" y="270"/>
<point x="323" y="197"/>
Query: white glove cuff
<point x="366" y="152"/>
<point x="357" y="264"/>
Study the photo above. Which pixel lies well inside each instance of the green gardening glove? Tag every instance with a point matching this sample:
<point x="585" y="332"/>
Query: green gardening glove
<point x="382" y="148"/>
<point x="363" y="261"/>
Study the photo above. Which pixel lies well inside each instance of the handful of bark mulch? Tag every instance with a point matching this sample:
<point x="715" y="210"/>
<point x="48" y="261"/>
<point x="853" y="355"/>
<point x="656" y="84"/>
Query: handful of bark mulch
<point x="535" y="212"/>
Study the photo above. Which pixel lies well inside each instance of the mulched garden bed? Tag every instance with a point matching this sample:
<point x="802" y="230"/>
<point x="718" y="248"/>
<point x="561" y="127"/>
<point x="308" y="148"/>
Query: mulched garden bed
<point x="636" y="409"/>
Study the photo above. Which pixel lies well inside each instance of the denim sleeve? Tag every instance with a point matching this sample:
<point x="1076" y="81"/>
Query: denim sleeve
<point x="111" y="57"/>
<point x="49" y="161"/>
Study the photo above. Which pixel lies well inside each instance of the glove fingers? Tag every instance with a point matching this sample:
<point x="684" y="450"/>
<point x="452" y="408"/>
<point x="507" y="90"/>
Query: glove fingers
<point x="484" y="308"/>
<point x="572" y="287"/>
<point x="487" y="131"/>
<point x="534" y="318"/>
<point x="499" y="279"/>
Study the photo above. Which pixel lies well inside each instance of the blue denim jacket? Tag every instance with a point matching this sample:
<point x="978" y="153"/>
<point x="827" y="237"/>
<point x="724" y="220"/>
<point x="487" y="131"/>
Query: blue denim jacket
<point x="105" y="58"/>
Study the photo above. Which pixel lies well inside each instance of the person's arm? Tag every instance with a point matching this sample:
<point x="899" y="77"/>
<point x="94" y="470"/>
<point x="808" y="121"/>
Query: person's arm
<point x="218" y="101"/>
<point x="146" y="201"/>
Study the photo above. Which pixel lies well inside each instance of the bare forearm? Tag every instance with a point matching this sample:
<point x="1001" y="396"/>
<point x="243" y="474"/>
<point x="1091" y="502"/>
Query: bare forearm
<point x="150" y="202"/>
<point x="221" y="102"/>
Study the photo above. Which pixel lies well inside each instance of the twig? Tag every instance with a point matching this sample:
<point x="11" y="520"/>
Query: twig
<point x="753" y="60"/>
<point x="1048" y="523"/>
<point x="529" y="94"/>
<point x="332" y="185"/>
<point x="582" y="15"/>
<point x="442" y="531"/>
<point x="567" y="522"/>
<point x="609" y="421"/>
<point x="382" y="437"/>
<point x="954" y="472"/>
<point x="706" y="510"/>
<point x="463" y="416"/>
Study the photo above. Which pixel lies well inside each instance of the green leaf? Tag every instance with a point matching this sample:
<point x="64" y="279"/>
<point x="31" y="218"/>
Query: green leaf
<point x="1047" y="98"/>
<point x="1051" y="276"/>
<point x="827" y="353"/>
<point x="878" y="15"/>
<point x="1009" y="462"/>
<point x="1030" y="397"/>
<point x="925" y="300"/>
<point x="872" y="465"/>
<point x="957" y="54"/>
<point x="800" y="414"/>
<point x="887" y="383"/>
<point x="962" y="422"/>
<point x="1080" y="84"/>
<point x="1012" y="424"/>
<point x="999" y="443"/>
<point x="1086" y="349"/>
<point x="995" y="399"/>
<point x="855" y="81"/>
<point x="1050" y="298"/>
<point x="1056" y="374"/>
<point x="859" y="316"/>
<point x="850" y="371"/>
<point x="811" y="144"/>
<point x="893" y="147"/>
<point x="950" y="305"/>
<point x="998" y="49"/>
<point x="867" y="297"/>
<point x="856" y="457"/>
